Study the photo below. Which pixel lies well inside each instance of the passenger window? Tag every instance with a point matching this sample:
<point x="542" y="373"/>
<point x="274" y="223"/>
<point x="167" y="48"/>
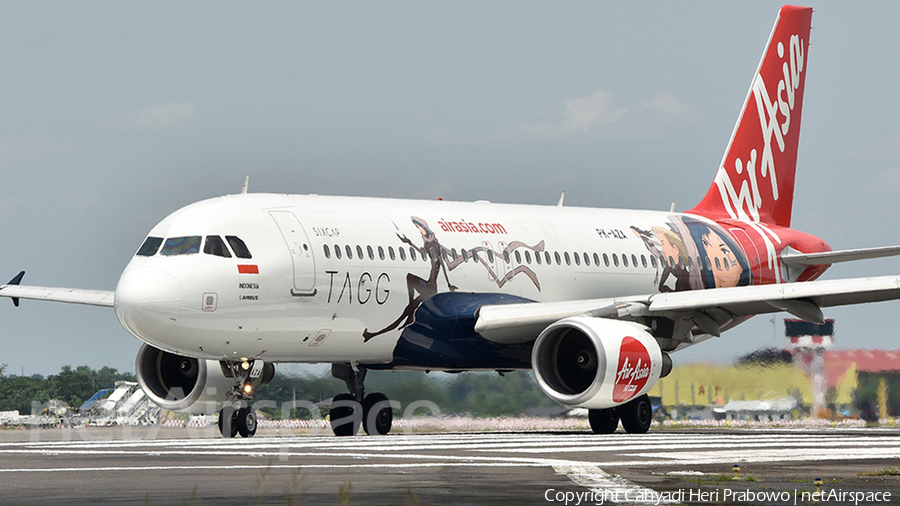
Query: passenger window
<point x="337" y="252"/>
<point x="577" y="259"/>
<point x="556" y="256"/>
<point x="718" y="265"/>
<point x="644" y="261"/>
<point x="453" y="254"/>
<point x="587" y="259"/>
<point x="349" y="252"/>
<point x="150" y="246"/>
<point x="634" y="260"/>
<point x="597" y="260"/>
<point x="615" y="260"/>
<point x="412" y="253"/>
<point x="606" y="260"/>
<point x="490" y="255"/>
<point x="402" y="252"/>
<point x="537" y="257"/>
<point x="506" y="256"/>
<point x="475" y="255"/>
<point x="423" y="253"/>
<point x="380" y="253"/>
<point x="527" y="257"/>
<point x="216" y="246"/>
<point x="238" y="246"/>
<point x="327" y="251"/>
<point x="371" y="252"/>
<point x="181" y="245"/>
<point x="624" y="260"/>
<point x="671" y="262"/>
<point x="359" y="252"/>
<point x="444" y="255"/>
<point x="653" y="261"/>
<point x="465" y="255"/>
<point x="518" y="257"/>
<point x="391" y="253"/>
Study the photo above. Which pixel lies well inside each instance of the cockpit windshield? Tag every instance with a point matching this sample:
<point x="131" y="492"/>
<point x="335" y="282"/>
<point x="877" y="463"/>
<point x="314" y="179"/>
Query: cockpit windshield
<point x="150" y="246"/>
<point x="188" y="245"/>
<point x="181" y="245"/>
<point x="216" y="246"/>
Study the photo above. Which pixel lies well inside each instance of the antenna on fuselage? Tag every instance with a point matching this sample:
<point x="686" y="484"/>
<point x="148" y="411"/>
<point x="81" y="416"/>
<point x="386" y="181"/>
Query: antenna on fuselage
<point x="561" y="198"/>
<point x="246" y="184"/>
<point x="672" y="208"/>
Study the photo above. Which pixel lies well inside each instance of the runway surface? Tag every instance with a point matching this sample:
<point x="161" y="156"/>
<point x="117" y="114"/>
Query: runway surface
<point x="185" y="466"/>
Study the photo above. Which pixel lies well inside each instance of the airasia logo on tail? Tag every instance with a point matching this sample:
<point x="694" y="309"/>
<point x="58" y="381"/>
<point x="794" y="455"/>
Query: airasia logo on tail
<point x="633" y="370"/>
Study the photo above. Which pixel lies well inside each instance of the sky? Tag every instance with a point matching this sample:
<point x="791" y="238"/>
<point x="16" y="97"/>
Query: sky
<point x="113" y="115"/>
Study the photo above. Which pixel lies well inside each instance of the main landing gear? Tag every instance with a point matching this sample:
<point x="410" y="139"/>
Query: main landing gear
<point x="237" y="421"/>
<point x="636" y="416"/>
<point x="349" y="411"/>
<point x="237" y="417"/>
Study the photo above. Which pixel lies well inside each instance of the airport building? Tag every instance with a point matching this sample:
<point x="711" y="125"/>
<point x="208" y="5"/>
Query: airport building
<point x="806" y="378"/>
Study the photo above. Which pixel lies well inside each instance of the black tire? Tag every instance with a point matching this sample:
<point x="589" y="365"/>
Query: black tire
<point x="346" y="415"/>
<point x="604" y="421"/>
<point x="228" y="426"/>
<point x="637" y="415"/>
<point x="246" y="422"/>
<point x="378" y="422"/>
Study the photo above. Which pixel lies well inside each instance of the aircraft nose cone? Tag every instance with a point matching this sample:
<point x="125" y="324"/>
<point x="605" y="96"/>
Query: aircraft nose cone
<point x="148" y="302"/>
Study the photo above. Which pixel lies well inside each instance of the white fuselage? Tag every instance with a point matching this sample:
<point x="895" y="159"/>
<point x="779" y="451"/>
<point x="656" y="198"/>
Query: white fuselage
<point x="297" y="299"/>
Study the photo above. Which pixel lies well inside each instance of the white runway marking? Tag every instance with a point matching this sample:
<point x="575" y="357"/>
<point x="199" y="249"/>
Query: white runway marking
<point x="581" y="457"/>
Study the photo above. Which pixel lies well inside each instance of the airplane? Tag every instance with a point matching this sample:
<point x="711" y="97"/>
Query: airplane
<point x="593" y="300"/>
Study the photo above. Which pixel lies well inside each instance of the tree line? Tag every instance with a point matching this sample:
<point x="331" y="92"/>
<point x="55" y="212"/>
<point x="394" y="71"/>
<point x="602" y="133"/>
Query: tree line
<point x="70" y="386"/>
<point x="475" y="393"/>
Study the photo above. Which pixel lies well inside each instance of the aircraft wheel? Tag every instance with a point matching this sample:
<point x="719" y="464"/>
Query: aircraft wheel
<point x="637" y="415"/>
<point x="346" y="415"/>
<point x="379" y="421"/>
<point x="228" y="425"/>
<point x="604" y="421"/>
<point x="246" y="422"/>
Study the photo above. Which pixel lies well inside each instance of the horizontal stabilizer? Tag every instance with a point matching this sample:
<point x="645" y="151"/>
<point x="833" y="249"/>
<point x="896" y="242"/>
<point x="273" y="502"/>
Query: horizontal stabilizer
<point x="833" y="257"/>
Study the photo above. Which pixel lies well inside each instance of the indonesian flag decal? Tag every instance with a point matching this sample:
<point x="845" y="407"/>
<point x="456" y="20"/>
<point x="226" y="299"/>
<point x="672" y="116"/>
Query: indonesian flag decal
<point x="248" y="269"/>
<point x="633" y="370"/>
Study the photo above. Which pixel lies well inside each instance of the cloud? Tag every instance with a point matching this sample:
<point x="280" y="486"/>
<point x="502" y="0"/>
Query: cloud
<point x="156" y="118"/>
<point x="885" y="149"/>
<point x="571" y="117"/>
<point x="18" y="151"/>
<point x="595" y="116"/>
<point x="665" y="109"/>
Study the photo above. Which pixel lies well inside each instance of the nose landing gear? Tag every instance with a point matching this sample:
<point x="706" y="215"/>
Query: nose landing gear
<point x="238" y="417"/>
<point x="348" y="411"/>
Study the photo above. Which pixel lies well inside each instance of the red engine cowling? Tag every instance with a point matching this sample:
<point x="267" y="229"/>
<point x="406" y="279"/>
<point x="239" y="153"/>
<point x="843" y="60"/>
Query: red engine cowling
<point x="596" y="362"/>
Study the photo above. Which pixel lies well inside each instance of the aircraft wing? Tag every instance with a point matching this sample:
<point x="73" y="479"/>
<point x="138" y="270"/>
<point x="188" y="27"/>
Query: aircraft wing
<point x="15" y="291"/>
<point x="519" y="323"/>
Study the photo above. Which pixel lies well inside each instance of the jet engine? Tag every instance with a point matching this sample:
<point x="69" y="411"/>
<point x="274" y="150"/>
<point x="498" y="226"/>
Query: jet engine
<point x="596" y="362"/>
<point x="186" y="384"/>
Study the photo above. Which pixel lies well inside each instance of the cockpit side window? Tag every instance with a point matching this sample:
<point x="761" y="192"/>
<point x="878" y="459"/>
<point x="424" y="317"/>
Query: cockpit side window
<point x="216" y="246"/>
<point x="240" y="249"/>
<point x="150" y="246"/>
<point x="181" y="245"/>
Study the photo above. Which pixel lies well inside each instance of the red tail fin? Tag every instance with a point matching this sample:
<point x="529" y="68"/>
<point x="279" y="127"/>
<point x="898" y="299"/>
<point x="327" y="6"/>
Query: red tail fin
<point x="755" y="181"/>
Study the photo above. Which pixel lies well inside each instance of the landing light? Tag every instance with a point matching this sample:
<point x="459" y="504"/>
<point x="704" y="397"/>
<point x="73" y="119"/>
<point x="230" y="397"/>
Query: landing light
<point x="248" y="388"/>
<point x="245" y="365"/>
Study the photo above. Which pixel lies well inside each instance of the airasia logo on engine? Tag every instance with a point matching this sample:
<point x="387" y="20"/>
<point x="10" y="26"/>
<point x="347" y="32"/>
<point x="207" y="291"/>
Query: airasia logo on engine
<point x="633" y="370"/>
